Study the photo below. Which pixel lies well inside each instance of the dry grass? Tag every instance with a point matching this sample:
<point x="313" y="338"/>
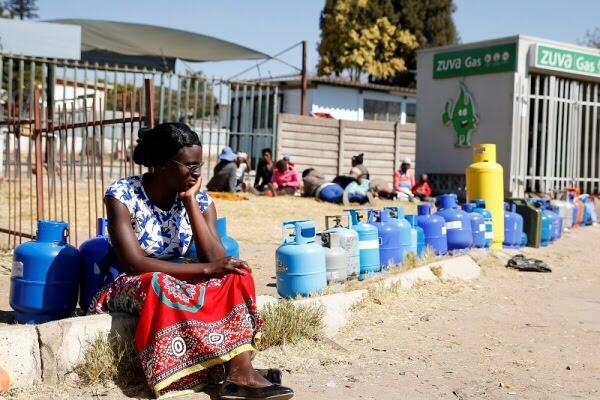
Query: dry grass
<point x="109" y="358"/>
<point x="288" y="323"/>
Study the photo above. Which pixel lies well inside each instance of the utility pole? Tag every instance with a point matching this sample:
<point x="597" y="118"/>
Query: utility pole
<point x="304" y="80"/>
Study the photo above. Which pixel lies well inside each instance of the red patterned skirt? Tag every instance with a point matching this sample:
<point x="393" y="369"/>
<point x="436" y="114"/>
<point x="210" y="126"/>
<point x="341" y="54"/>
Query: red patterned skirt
<point x="184" y="328"/>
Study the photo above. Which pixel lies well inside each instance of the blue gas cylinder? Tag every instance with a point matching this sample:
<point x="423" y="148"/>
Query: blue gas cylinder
<point x="458" y="223"/>
<point x="557" y="222"/>
<point x="546" y="224"/>
<point x="477" y="225"/>
<point x="45" y="276"/>
<point x="550" y="218"/>
<point x="397" y="216"/>
<point x="434" y="229"/>
<point x="99" y="265"/>
<point x="590" y="216"/>
<point x="232" y="249"/>
<point x="300" y="261"/>
<point x="368" y="243"/>
<point x="418" y="233"/>
<point x="487" y="218"/>
<point x="513" y="227"/>
<point x="390" y="250"/>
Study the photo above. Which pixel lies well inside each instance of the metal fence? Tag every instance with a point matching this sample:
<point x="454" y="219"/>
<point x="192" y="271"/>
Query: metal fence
<point x="68" y="129"/>
<point x="557" y="141"/>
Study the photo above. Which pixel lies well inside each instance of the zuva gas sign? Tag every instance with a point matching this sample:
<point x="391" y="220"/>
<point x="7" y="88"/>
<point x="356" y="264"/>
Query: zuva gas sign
<point x="475" y="61"/>
<point x="565" y="60"/>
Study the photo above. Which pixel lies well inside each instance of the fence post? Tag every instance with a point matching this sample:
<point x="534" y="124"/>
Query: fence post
<point x="277" y="149"/>
<point x="39" y="167"/>
<point x="149" y="86"/>
<point x="341" y="138"/>
<point x="396" y="146"/>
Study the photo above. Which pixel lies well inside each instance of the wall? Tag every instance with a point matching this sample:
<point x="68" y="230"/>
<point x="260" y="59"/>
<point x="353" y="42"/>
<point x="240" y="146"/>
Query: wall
<point x="328" y="145"/>
<point x="493" y="96"/>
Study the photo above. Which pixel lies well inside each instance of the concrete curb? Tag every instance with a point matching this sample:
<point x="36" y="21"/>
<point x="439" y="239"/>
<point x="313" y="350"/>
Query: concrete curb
<point x="47" y="352"/>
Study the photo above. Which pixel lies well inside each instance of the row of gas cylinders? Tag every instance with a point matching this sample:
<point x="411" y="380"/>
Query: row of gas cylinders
<point x="49" y="276"/>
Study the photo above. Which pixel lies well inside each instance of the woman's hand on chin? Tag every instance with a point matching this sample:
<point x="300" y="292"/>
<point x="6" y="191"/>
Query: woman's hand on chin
<point x="227" y="265"/>
<point x="190" y="194"/>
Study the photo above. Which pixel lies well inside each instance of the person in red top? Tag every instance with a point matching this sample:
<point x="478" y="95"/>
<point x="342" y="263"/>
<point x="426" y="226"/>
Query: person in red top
<point x="285" y="179"/>
<point x="404" y="180"/>
<point x="422" y="189"/>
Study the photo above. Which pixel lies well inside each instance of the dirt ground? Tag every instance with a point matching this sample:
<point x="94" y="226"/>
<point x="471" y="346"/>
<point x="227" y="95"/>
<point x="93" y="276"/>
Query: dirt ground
<point x="506" y="335"/>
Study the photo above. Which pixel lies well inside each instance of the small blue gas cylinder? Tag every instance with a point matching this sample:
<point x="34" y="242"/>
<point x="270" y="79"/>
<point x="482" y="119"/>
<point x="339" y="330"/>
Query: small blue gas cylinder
<point x="434" y="229"/>
<point x="546" y="224"/>
<point x="557" y="222"/>
<point x="368" y="243"/>
<point x="45" y="275"/>
<point x="232" y="249"/>
<point x="590" y="216"/>
<point x="487" y="218"/>
<point x="513" y="227"/>
<point x="458" y="223"/>
<point x="397" y="216"/>
<point x="390" y="250"/>
<point x="477" y="225"/>
<point x="418" y="233"/>
<point x="300" y="261"/>
<point x="99" y="265"/>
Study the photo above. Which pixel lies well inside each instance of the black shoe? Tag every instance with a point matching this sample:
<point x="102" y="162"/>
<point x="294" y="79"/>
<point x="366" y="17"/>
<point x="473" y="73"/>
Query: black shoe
<point x="273" y="375"/>
<point x="233" y="391"/>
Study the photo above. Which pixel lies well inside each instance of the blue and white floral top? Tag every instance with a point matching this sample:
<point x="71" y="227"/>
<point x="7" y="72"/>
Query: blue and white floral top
<point x="161" y="234"/>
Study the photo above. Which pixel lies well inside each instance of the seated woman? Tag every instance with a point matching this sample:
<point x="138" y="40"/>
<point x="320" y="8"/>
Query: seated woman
<point x="358" y="192"/>
<point x="191" y="316"/>
<point x="285" y="179"/>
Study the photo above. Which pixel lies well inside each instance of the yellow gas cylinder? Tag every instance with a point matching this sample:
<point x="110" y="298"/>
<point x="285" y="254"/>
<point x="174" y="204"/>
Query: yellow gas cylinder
<point x="485" y="181"/>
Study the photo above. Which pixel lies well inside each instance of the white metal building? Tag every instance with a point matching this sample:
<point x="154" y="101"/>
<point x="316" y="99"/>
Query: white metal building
<point x="353" y="101"/>
<point x="536" y="99"/>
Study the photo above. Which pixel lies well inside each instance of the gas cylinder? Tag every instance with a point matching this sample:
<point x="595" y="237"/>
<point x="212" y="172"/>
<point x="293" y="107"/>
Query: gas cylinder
<point x="348" y="240"/>
<point x="458" y="223"/>
<point x="368" y="243"/>
<point x="390" y="250"/>
<point x="513" y="227"/>
<point x="557" y="223"/>
<point x="555" y="220"/>
<point x="477" y="225"/>
<point x="397" y="216"/>
<point x="589" y="210"/>
<point x="335" y="257"/>
<point x="487" y="219"/>
<point x="300" y="261"/>
<point x="565" y="211"/>
<point x="45" y="275"/>
<point x="232" y="249"/>
<point x="418" y="233"/>
<point x="434" y="229"/>
<point x="485" y="181"/>
<point x="546" y="225"/>
<point x="99" y="265"/>
<point x="573" y="197"/>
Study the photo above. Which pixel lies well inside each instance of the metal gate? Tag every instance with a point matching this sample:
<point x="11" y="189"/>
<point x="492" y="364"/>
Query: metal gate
<point x="556" y="137"/>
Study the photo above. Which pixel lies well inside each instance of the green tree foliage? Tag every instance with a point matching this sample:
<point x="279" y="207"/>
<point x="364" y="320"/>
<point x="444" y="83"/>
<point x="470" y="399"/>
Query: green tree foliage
<point x="432" y="24"/>
<point x="362" y="36"/>
<point x="356" y="36"/>
<point x="23" y="9"/>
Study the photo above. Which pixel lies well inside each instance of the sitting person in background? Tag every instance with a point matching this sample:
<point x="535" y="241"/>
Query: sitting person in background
<point x="315" y="185"/>
<point x="404" y="180"/>
<point x="242" y="169"/>
<point x="285" y="179"/>
<point x="381" y="189"/>
<point x="357" y="191"/>
<point x="422" y="189"/>
<point x="264" y="171"/>
<point x="224" y="178"/>
<point x="357" y="169"/>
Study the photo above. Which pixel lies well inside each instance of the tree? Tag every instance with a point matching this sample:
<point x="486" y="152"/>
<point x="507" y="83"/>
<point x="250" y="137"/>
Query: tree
<point x="24" y="9"/>
<point x="362" y="36"/>
<point x="432" y="24"/>
<point x="591" y="38"/>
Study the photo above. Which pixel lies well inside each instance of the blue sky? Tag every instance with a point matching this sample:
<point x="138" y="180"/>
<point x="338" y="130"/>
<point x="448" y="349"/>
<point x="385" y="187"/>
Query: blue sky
<point x="273" y="25"/>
